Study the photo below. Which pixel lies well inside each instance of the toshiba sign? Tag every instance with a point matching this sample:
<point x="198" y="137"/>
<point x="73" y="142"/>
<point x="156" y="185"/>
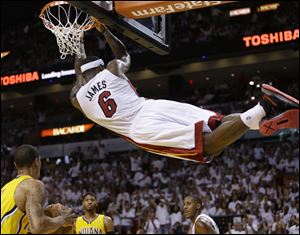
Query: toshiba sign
<point x="19" y="78"/>
<point x="270" y="38"/>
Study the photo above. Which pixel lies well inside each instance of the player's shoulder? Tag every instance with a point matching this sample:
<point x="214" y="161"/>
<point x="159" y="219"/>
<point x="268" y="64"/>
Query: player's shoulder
<point x="31" y="184"/>
<point x="107" y="219"/>
<point x="114" y="67"/>
<point x="108" y="222"/>
<point x="205" y="223"/>
<point x="79" y="218"/>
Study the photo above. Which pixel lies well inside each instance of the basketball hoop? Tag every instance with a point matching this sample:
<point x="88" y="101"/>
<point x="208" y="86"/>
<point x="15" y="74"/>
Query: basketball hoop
<point x="67" y="23"/>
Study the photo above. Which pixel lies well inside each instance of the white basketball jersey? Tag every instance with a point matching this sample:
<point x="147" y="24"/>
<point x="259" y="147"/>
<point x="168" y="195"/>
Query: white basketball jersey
<point x="209" y="221"/>
<point x="110" y="101"/>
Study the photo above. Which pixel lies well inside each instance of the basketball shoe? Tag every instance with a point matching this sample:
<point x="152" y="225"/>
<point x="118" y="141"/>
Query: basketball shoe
<point x="282" y="111"/>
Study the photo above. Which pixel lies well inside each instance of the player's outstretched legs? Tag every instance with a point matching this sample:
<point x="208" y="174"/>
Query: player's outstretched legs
<point x="275" y="108"/>
<point x="228" y="132"/>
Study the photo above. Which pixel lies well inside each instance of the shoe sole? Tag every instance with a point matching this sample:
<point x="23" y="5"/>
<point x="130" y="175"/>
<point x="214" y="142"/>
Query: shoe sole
<point x="288" y="119"/>
<point x="269" y="90"/>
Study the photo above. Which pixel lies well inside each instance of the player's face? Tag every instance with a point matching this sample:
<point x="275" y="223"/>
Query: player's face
<point x="89" y="203"/>
<point x="189" y="208"/>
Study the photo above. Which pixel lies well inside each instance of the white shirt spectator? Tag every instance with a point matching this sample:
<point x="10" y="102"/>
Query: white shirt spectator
<point x="122" y="196"/>
<point x="251" y="164"/>
<point x="141" y="179"/>
<point x="251" y="229"/>
<point x="268" y="217"/>
<point x="176" y="217"/>
<point x="272" y="160"/>
<point x="127" y="216"/>
<point x="294" y="229"/>
<point x="152" y="227"/>
<point x="255" y="179"/>
<point x="158" y="164"/>
<point x="47" y="179"/>
<point x="292" y="165"/>
<point x="212" y="211"/>
<point x="233" y="231"/>
<point x="282" y="164"/>
<point x="162" y="214"/>
<point x="262" y="190"/>
<point x="101" y="195"/>
<point x="258" y="153"/>
<point x="230" y="162"/>
<point x="232" y="205"/>
<point x="75" y="170"/>
<point x="219" y="212"/>
<point x="75" y="196"/>
<point x="135" y="164"/>
<point x="286" y="218"/>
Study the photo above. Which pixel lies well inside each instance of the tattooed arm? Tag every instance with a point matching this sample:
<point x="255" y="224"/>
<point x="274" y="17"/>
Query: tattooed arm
<point x="109" y="225"/>
<point x="38" y="221"/>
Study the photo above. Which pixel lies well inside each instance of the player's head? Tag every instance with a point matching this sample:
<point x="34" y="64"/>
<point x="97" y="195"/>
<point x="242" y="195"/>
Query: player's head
<point x="27" y="160"/>
<point x="192" y="206"/>
<point x="91" y="65"/>
<point x="89" y="202"/>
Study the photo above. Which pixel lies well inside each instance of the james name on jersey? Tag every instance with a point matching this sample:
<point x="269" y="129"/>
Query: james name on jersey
<point x="95" y="89"/>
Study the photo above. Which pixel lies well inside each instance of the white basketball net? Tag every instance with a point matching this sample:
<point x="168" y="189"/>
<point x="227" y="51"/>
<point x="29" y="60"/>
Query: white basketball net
<point x="67" y="23"/>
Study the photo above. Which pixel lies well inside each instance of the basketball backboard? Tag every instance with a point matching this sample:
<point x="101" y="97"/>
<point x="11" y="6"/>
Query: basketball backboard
<point x="151" y="33"/>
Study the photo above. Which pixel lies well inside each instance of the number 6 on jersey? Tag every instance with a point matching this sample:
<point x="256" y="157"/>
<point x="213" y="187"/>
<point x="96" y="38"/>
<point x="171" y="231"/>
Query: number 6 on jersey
<point x="108" y="106"/>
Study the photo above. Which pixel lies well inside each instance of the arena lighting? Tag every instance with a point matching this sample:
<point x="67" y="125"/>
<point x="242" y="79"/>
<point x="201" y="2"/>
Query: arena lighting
<point x="239" y="12"/>
<point x="67" y="130"/>
<point x="251" y="83"/>
<point x="268" y="7"/>
<point x="258" y="85"/>
<point x="4" y="53"/>
<point x="252" y="98"/>
<point x="270" y="38"/>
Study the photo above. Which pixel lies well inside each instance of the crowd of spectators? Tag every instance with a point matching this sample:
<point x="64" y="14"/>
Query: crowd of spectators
<point x="252" y="188"/>
<point x="253" y="184"/>
<point x="215" y="24"/>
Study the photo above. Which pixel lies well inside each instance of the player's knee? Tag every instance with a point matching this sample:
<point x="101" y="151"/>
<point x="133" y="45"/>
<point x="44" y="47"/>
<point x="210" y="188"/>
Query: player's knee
<point x="212" y="152"/>
<point x="210" y="146"/>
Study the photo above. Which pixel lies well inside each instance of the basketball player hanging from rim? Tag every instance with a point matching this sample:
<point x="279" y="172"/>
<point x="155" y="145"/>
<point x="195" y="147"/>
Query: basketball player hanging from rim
<point x="179" y="130"/>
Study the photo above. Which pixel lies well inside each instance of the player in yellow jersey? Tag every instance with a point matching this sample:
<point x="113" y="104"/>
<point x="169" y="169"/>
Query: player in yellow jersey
<point x="23" y="198"/>
<point x="91" y="222"/>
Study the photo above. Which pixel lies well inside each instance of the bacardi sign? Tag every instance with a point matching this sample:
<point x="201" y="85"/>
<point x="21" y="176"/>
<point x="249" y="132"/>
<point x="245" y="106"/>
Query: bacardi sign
<point x="67" y="130"/>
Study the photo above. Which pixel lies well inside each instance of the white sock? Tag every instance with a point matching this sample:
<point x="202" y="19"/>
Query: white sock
<point x="252" y="117"/>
